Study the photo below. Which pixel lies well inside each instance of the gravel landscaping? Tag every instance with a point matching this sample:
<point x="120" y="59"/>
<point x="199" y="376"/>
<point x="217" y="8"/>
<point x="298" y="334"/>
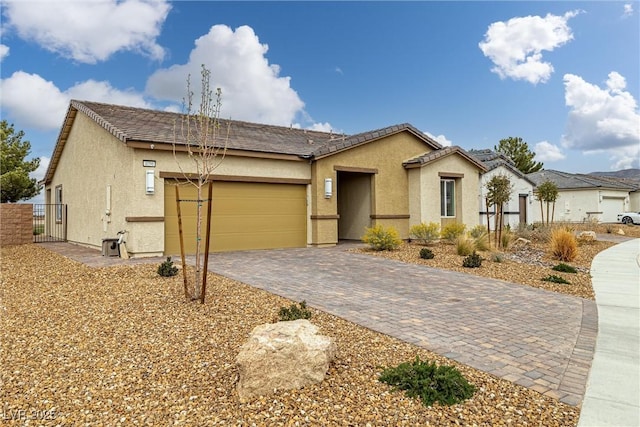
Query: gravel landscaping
<point x="119" y="346"/>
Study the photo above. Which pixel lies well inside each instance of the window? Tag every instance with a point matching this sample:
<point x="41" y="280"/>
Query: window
<point x="447" y="198"/>
<point x="59" y="203"/>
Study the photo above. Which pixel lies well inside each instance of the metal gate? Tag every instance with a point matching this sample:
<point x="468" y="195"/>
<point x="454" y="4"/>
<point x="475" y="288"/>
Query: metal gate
<point x="49" y="222"/>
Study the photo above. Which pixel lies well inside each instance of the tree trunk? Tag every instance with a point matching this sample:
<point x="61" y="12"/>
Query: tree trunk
<point x="547" y="213"/>
<point x="541" y="213"/>
<point x="495" y="227"/>
<point x="197" y="287"/>
<point x="553" y="211"/>
<point x="486" y="202"/>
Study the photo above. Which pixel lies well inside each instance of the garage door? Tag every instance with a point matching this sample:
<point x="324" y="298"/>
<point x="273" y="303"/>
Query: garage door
<point x="611" y="208"/>
<point x="244" y="216"/>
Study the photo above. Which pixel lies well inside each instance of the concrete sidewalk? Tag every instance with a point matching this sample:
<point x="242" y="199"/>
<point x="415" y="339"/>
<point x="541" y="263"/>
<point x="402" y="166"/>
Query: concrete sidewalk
<point x="612" y="397"/>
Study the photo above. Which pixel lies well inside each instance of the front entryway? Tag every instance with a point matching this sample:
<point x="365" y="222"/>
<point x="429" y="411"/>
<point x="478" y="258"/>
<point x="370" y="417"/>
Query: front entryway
<point x="354" y="204"/>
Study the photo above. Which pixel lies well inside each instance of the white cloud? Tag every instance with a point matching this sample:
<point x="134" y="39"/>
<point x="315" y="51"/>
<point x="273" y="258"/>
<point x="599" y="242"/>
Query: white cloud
<point x="4" y="51"/>
<point x="252" y="89"/>
<point x="440" y="139"/>
<point x="90" y="31"/>
<point x="321" y="127"/>
<point x="628" y="10"/>
<point x="547" y="152"/>
<point x="35" y="102"/>
<point x="602" y="119"/>
<point x="516" y="46"/>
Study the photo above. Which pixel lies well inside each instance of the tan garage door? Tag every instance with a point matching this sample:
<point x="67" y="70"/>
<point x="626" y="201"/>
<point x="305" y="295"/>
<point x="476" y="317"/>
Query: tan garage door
<point x="245" y="216"/>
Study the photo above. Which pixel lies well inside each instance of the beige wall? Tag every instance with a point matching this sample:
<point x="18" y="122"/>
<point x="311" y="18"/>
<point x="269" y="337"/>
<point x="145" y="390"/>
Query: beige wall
<point x="634" y="202"/>
<point x="389" y="194"/>
<point x="427" y="203"/>
<point x="583" y="205"/>
<point x="93" y="159"/>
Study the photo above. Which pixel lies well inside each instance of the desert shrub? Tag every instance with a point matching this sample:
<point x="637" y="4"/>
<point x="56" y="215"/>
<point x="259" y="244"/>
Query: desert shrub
<point x="497" y="258"/>
<point x="481" y="242"/>
<point x="477" y="231"/>
<point x="426" y="253"/>
<point x="294" y="312"/>
<point x="564" y="245"/>
<point x="38" y="229"/>
<point x="472" y="261"/>
<point x="429" y="382"/>
<point x="565" y="268"/>
<point x="609" y="229"/>
<point x="167" y="269"/>
<point x="506" y="238"/>
<point x="452" y="231"/>
<point x="425" y="233"/>
<point x="464" y="246"/>
<point x="556" y="279"/>
<point x="380" y="238"/>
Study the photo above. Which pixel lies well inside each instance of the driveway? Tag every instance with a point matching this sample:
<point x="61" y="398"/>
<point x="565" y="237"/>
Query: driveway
<point x="532" y="337"/>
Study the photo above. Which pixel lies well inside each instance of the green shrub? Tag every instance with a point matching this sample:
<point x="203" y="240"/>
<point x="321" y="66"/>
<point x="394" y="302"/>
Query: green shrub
<point x="464" y="246"/>
<point x="556" y="279"/>
<point x="425" y="233"/>
<point x="497" y="258"/>
<point x="452" y="231"/>
<point x="380" y="238"/>
<point x="426" y="253"/>
<point x="294" y="312"/>
<point x="167" y="269"/>
<point x="472" y="261"/>
<point x="38" y="229"/>
<point x="564" y="268"/>
<point x="564" y="245"/>
<point x="477" y="231"/>
<point x="428" y="382"/>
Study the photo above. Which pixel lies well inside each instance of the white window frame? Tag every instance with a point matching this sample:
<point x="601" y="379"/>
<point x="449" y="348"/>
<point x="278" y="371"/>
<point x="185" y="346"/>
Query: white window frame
<point x="58" y="200"/>
<point x="444" y="192"/>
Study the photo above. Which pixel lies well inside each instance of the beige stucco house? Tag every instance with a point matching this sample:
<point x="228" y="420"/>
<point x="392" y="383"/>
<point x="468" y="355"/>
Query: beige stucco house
<point x="116" y="168"/>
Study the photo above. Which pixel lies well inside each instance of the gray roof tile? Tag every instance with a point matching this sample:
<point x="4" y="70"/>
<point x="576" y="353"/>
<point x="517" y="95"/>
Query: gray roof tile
<point x="567" y="181"/>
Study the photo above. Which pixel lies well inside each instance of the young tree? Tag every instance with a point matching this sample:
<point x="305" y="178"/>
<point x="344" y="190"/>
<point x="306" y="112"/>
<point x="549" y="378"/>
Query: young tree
<point x="201" y="132"/>
<point x="518" y="151"/>
<point x="499" y="190"/>
<point x="547" y="192"/>
<point x="15" y="183"/>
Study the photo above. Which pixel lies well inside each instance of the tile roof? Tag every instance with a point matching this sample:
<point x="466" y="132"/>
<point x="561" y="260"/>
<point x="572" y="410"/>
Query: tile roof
<point x="137" y="124"/>
<point x="569" y="181"/>
<point x="491" y="160"/>
<point x="344" y="142"/>
<point x="435" y="155"/>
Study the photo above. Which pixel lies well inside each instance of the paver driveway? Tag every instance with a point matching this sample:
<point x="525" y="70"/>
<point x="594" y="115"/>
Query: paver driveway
<point x="536" y="338"/>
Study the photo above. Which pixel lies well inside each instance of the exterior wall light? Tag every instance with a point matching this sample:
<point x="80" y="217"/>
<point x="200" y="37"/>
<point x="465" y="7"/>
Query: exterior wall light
<point x="328" y="188"/>
<point x="150" y="181"/>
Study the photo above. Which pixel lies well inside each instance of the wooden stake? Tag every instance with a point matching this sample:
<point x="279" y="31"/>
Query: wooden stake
<point x="184" y="263"/>
<point x="206" y="244"/>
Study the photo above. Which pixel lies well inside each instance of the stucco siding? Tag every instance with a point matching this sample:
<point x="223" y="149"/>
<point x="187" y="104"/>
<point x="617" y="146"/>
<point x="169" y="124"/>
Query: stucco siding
<point x="92" y="161"/>
<point x="389" y="191"/>
<point x="582" y="205"/>
<point x="466" y="190"/>
<point x="520" y="186"/>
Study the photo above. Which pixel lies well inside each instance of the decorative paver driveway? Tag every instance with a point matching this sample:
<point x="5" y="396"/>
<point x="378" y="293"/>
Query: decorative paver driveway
<point x="538" y="339"/>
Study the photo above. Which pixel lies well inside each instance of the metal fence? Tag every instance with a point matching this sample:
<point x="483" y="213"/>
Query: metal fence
<point x="49" y="223"/>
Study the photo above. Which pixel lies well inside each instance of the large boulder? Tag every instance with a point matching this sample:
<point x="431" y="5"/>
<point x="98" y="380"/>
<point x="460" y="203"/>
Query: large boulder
<point x="587" y="236"/>
<point x="282" y="356"/>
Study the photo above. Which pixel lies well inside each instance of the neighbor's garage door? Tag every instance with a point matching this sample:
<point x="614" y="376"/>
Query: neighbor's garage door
<point x="611" y="208"/>
<point x="245" y="216"/>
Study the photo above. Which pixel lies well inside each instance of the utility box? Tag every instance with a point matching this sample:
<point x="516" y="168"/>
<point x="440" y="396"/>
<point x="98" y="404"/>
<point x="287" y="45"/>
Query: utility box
<point x="110" y="247"/>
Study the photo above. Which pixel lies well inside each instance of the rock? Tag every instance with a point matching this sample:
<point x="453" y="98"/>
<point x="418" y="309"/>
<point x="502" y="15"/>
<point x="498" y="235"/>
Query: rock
<point x="621" y="231"/>
<point x="587" y="236"/>
<point x="521" y="241"/>
<point x="282" y="356"/>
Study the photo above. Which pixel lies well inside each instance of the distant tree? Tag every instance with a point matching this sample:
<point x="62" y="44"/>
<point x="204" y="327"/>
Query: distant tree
<point x="547" y="192"/>
<point x="499" y="189"/>
<point x="518" y="151"/>
<point x="15" y="183"/>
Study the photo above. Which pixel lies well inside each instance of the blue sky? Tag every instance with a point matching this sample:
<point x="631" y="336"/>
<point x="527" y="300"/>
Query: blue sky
<point x="564" y="76"/>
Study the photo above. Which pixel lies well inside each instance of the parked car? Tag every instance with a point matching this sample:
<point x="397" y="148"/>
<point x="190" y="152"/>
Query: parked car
<point x="629" y="218"/>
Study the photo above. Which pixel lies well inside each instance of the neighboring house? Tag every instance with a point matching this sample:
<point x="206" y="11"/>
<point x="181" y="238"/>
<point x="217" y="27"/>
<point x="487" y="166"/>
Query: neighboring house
<point x="518" y="209"/>
<point x="584" y="198"/>
<point x="115" y="169"/>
